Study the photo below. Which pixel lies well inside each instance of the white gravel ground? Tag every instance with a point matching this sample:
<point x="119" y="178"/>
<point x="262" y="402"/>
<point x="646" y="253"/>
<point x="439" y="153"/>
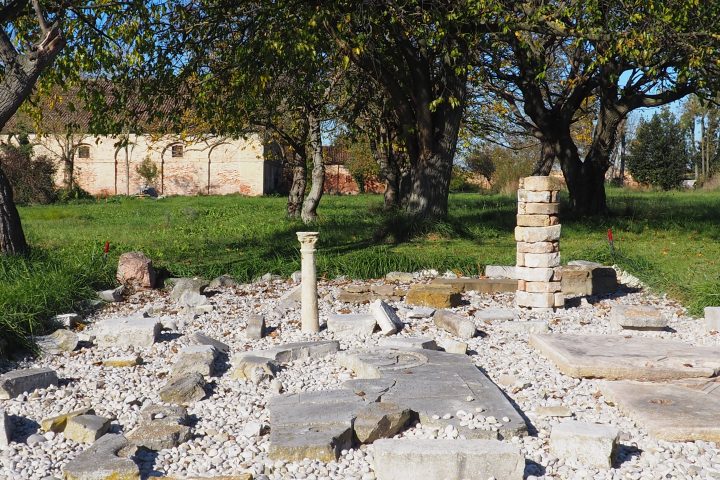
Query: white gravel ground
<point x="220" y="445"/>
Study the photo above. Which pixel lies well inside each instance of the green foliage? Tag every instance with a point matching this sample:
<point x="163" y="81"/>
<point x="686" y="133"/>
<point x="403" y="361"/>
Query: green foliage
<point x="73" y="194"/>
<point x="658" y="155"/>
<point x="32" y="179"/>
<point x="480" y="162"/>
<point x="148" y="171"/>
<point x="461" y="181"/>
<point x="360" y="163"/>
<point x="509" y="167"/>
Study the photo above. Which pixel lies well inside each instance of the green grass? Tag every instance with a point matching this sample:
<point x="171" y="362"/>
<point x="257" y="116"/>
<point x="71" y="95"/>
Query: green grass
<point x="669" y="240"/>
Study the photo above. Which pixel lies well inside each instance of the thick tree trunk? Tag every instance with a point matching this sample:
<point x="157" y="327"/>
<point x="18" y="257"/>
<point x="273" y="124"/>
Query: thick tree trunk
<point x="299" y="183"/>
<point x="310" y="205"/>
<point x="68" y="173"/>
<point x="12" y="238"/>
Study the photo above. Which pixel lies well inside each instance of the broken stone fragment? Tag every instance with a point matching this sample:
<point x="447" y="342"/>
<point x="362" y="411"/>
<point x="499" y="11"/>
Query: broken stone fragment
<point x="253" y="368"/>
<point x="452" y="346"/>
<point x="255" y="329"/>
<point x="351" y="325"/>
<point x="638" y="317"/>
<point x="198" y="338"/>
<point x="58" y="423"/>
<point x="380" y="420"/>
<point x="158" y="435"/>
<point x="480" y="285"/>
<point x="127" y="332"/>
<point x="100" y="462"/>
<point x="712" y="319"/>
<point x="113" y="295"/>
<point x="401" y="459"/>
<point x="492" y="315"/>
<point x="223" y="281"/>
<point x="461" y="327"/>
<point x="584" y="444"/>
<point x="500" y="271"/>
<point x="553" y="411"/>
<point x="193" y="300"/>
<point x="402" y="277"/>
<point x="58" y="342"/>
<point x="386" y="318"/>
<point x="421" y="312"/>
<point x="184" y="390"/>
<point x="136" y="270"/>
<point x="195" y="359"/>
<point x="413" y="343"/>
<point x="67" y="320"/>
<point x="86" y="428"/>
<point x="527" y="326"/>
<point x="122" y="362"/>
<point x="17" y="382"/>
<point x="172" y="414"/>
<point x="182" y="285"/>
<point x="288" y="352"/>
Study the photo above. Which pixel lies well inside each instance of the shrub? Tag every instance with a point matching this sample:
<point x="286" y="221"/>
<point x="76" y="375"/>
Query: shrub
<point x="509" y="167"/>
<point x="65" y="195"/>
<point x="148" y="171"/>
<point x="658" y="155"/>
<point x="32" y="179"/>
<point x="461" y="181"/>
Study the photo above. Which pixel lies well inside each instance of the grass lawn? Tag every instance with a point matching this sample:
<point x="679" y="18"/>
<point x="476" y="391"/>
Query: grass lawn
<point x="669" y="240"/>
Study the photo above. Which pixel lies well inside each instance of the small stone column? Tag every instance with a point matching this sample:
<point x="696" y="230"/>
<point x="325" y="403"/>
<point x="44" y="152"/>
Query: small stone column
<point x="538" y="245"/>
<point x="309" y="297"/>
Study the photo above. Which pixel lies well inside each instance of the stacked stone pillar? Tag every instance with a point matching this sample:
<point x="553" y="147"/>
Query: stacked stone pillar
<point x="538" y="245"/>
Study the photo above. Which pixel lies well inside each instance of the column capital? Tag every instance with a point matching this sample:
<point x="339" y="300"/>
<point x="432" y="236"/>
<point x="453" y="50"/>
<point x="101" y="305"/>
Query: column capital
<point x="307" y="239"/>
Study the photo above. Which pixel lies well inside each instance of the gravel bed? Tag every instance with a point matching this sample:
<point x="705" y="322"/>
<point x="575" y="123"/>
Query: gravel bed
<point x="225" y="441"/>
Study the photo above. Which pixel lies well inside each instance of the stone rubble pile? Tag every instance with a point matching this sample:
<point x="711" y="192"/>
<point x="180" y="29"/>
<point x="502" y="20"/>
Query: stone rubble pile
<point x="537" y="235"/>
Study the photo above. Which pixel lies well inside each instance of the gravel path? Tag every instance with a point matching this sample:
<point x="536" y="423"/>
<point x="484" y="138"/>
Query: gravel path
<point x="224" y="441"/>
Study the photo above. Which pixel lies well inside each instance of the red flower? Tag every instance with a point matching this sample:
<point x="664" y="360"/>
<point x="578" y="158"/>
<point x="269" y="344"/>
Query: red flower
<point x="610" y="235"/>
<point x="106" y="248"/>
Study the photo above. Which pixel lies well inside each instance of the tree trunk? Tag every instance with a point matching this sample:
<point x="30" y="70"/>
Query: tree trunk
<point x="68" y="170"/>
<point x="389" y="171"/>
<point x="12" y="238"/>
<point x="299" y="183"/>
<point x="310" y="205"/>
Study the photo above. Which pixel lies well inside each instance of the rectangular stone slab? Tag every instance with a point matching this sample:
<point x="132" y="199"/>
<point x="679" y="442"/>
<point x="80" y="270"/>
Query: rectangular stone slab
<point x="480" y="285"/>
<point x="617" y="357"/>
<point x="667" y="411"/>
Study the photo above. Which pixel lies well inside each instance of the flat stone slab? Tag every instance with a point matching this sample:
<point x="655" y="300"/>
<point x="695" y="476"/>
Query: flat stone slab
<point x="426" y="459"/>
<point x="584" y="444"/>
<point x="669" y="412"/>
<point x="299" y="351"/>
<point x="492" y="315"/>
<point x="58" y="342"/>
<point x="616" y="357"/>
<point x="480" y="285"/>
<point x="434" y="296"/>
<point x="100" y="462"/>
<point x="198" y="338"/>
<point x="195" y="358"/>
<point x="86" y="428"/>
<point x="419" y="343"/>
<point x="127" y="332"/>
<point x="433" y="384"/>
<point x="638" y="317"/>
<point x="16" y="382"/>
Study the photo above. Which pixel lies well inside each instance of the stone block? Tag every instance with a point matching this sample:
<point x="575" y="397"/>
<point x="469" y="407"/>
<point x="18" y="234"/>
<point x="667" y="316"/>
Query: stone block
<point x="136" y="270"/>
<point x="386" y="318"/>
<point x="299" y="350"/>
<point x="184" y="390"/>
<point x="380" y="420"/>
<point x="535" y="274"/>
<point x="530" y="196"/>
<point x="112" y="295"/>
<point x="351" y="325"/>
<point x="159" y="435"/>
<point x="538" y="247"/>
<point x="559" y="300"/>
<point x="86" y="428"/>
<point x="538" y="234"/>
<point x="127" y="332"/>
<point x="584" y="444"/>
<point x="412" y="343"/>
<point x="540" y="183"/>
<point x="402" y="459"/>
<point x="324" y="443"/>
<point x="520" y="259"/>
<point x="6" y="430"/>
<point x="198" y="338"/>
<point x="492" y="315"/>
<point x="67" y="320"/>
<point x="355" y="298"/>
<point x="435" y="296"/>
<point x="19" y="381"/>
<point x="461" y="327"/>
<point x="542" y="260"/>
<point x="500" y="271"/>
<point x="538" y="208"/>
<point x="100" y="462"/>
<point x="535" y="300"/>
<point x="58" y="423"/>
<point x="588" y="279"/>
<point x="524" y="327"/>
<point x="172" y="414"/>
<point x="452" y="346"/>
<point x="255" y="329"/>
<point x="543" y="287"/>
<point x="195" y="359"/>
<point x="223" y="281"/>
<point x="402" y="277"/>
<point x="525" y="220"/>
<point x="553" y="411"/>
<point x="182" y="285"/>
<point x="712" y="319"/>
<point x="480" y="285"/>
<point x="421" y="312"/>
<point x="638" y="317"/>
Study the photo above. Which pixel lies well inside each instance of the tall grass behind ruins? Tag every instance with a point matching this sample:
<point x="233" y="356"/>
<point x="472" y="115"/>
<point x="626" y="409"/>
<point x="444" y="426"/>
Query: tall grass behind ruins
<point x="669" y="240"/>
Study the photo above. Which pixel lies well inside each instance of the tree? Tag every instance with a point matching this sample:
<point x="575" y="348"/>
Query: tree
<point x="658" y="154"/>
<point x="32" y="39"/>
<point x="556" y="60"/>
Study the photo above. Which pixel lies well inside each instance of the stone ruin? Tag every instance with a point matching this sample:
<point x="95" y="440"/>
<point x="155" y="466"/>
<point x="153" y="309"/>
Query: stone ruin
<point x="537" y="235"/>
